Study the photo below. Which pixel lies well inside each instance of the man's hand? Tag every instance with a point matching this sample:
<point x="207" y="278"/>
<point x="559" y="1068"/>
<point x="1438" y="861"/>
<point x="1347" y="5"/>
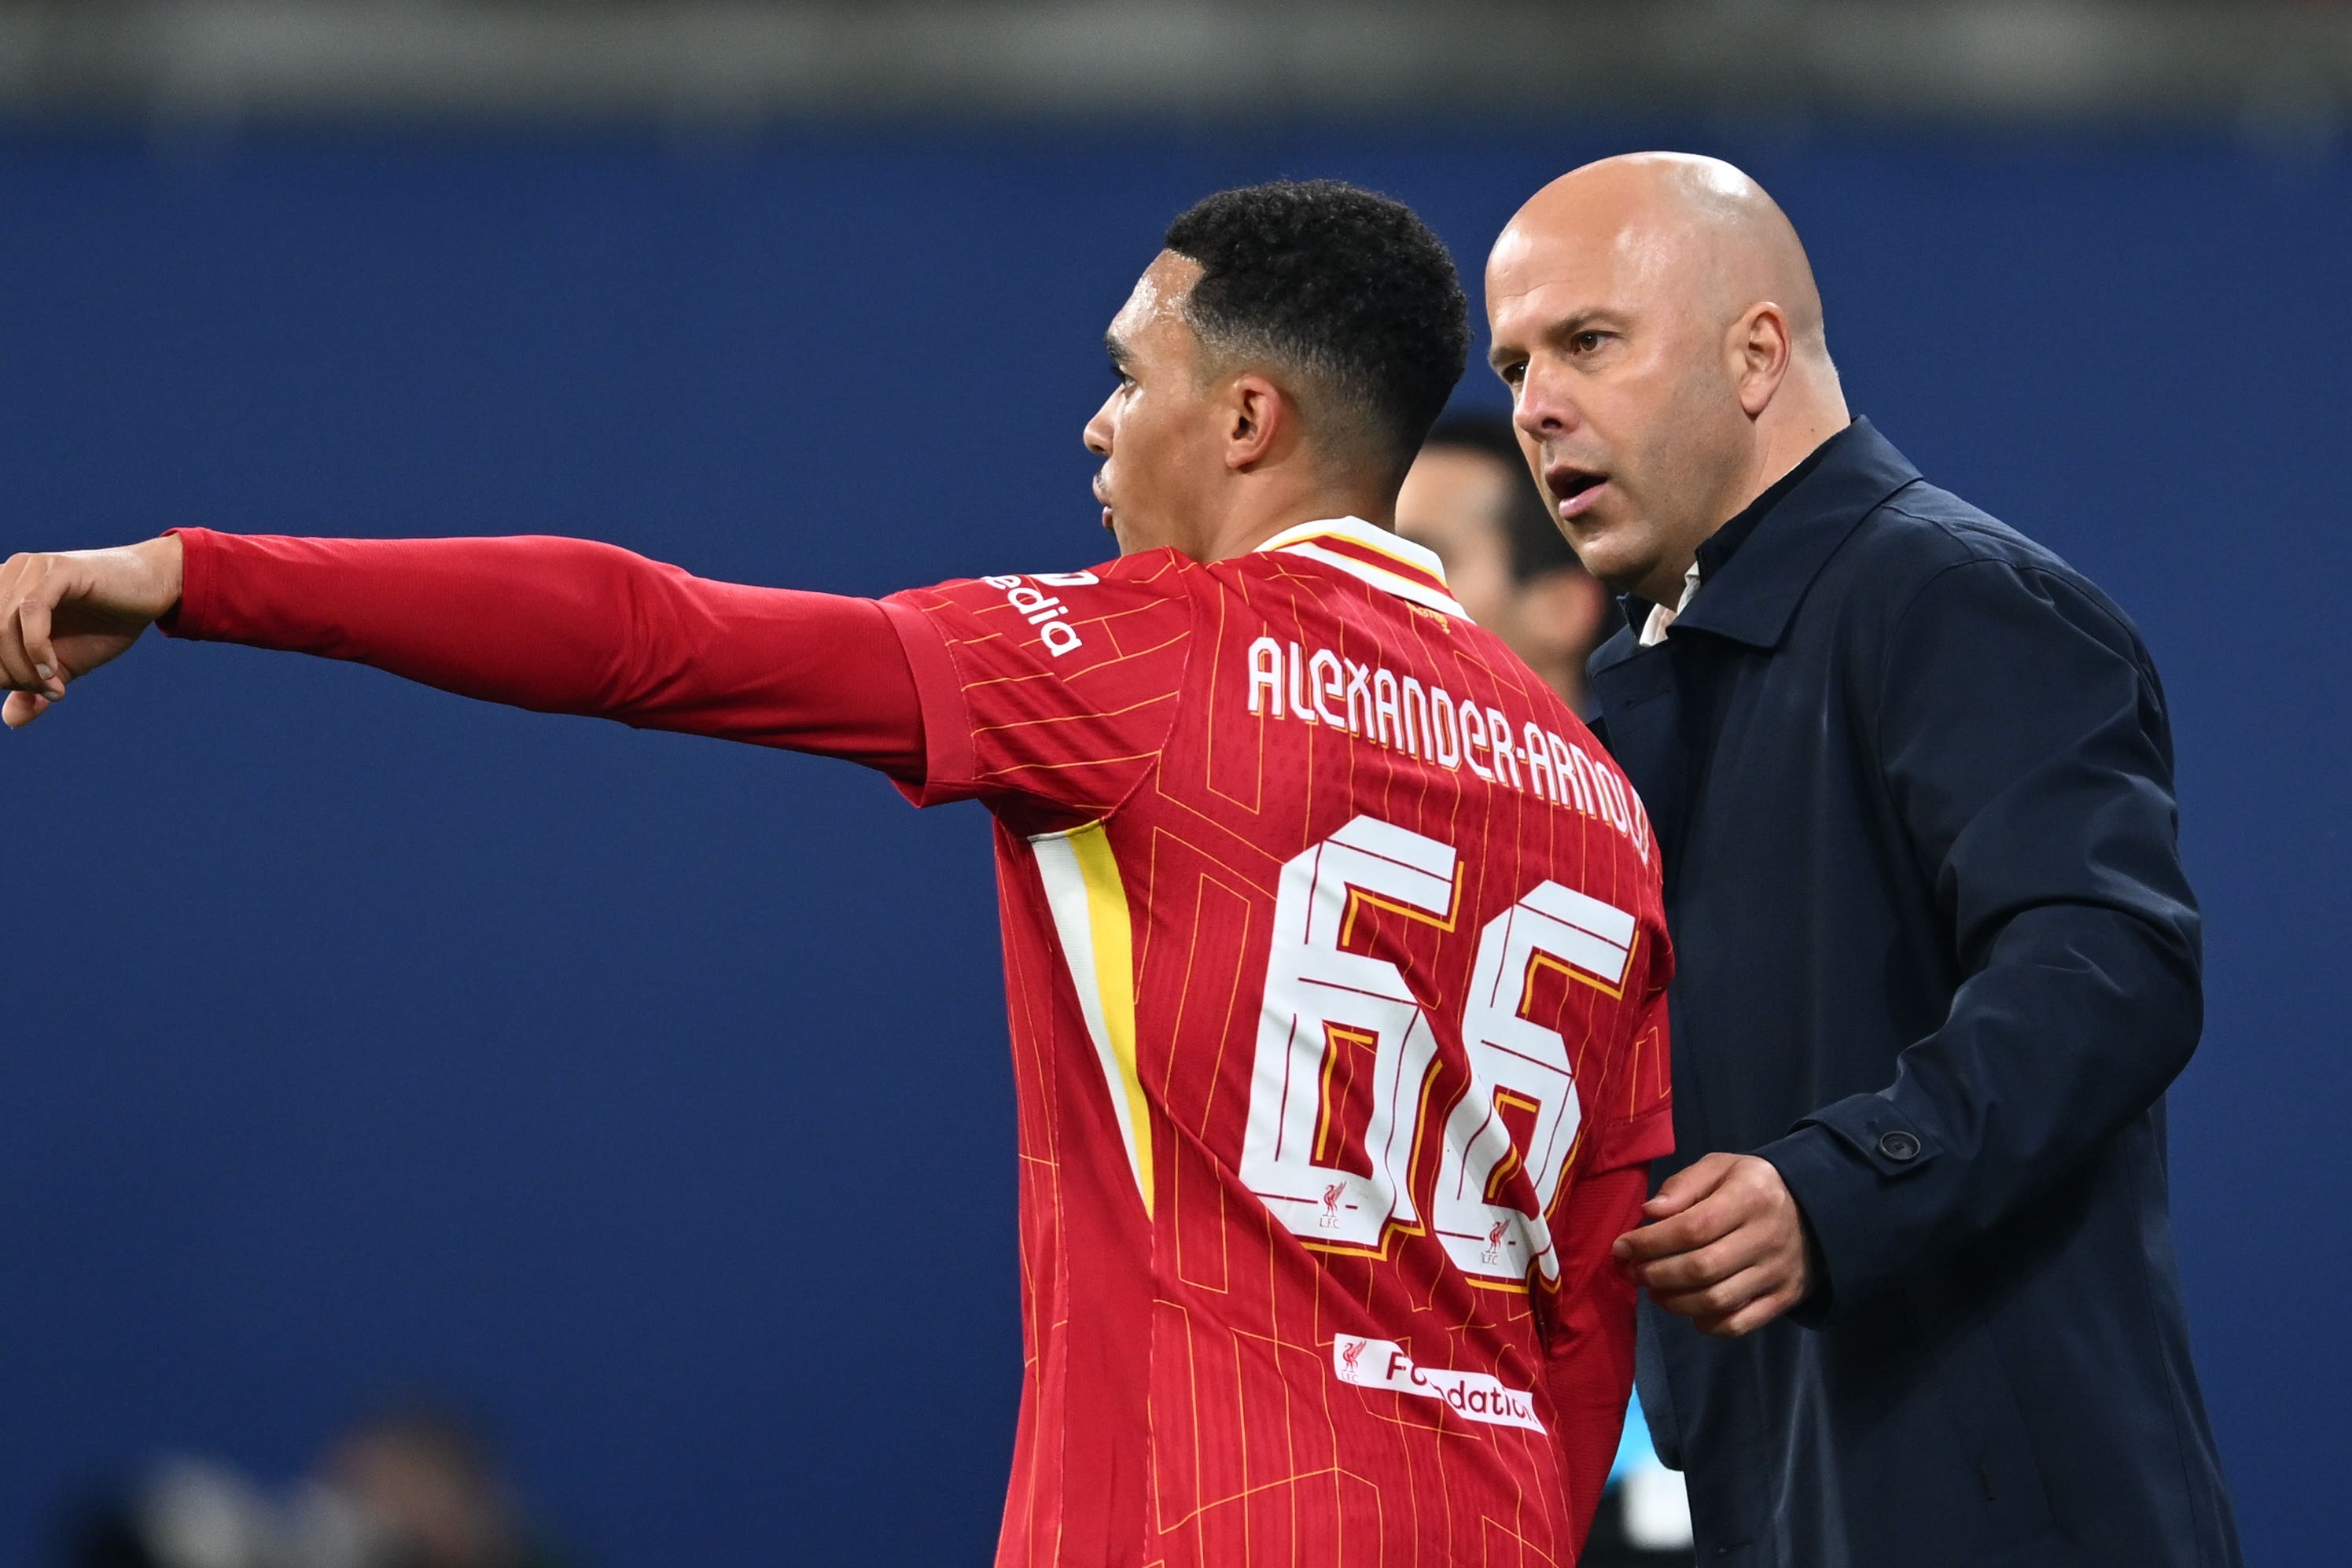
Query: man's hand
<point x="1725" y="1246"/>
<point x="63" y="615"/>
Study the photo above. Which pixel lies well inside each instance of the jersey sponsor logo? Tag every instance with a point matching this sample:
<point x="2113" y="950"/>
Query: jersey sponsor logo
<point x="1382" y="1363"/>
<point x="1042" y="610"/>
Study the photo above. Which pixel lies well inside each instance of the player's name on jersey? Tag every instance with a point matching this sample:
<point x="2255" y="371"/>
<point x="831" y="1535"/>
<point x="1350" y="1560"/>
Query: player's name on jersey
<point x="1377" y="705"/>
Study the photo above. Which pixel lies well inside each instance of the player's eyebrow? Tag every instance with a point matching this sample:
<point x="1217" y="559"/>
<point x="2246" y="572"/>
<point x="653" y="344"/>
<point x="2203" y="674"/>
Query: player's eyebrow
<point x="1116" y="346"/>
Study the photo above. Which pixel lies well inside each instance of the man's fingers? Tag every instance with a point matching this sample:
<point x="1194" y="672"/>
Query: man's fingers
<point x="1743" y="1248"/>
<point x="16" y="664"/>
<point x="34" y="620"/>
<point x="1725" y="1247"/>
<point x="1710" y="1221"/>
<point x="30" y="587"/>
<point x="1720" y="1299"/>
<point x="1754" y="1315"/>
<point x="1687" y="1187"/>
<point x="1665" y="1233"/>
<point x="21" y="709"/>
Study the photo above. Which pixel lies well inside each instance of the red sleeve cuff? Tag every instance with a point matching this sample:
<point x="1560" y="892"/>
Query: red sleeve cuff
<point x="949" y="761"/>
<point x="1647" y="1137"/>
<point x="188" y="619"/>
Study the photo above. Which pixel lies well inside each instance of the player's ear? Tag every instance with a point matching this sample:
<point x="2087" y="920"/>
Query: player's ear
<point x="1259" y="416"/>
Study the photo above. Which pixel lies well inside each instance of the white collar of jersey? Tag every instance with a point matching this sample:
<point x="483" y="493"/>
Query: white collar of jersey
<point x="1377" y="556"/>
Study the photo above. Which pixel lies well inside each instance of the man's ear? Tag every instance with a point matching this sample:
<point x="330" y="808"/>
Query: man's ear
<point x="1760" y="353"/>
<point x="1260" y="421"/>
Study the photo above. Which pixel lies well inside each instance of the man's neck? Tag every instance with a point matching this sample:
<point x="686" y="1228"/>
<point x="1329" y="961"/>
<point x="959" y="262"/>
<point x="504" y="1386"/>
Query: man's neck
<point x="1243" y="533"/>
<point x="1777" y="456"/>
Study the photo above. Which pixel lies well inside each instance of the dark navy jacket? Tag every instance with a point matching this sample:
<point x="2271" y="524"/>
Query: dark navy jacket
<point x="1938" y="961"/>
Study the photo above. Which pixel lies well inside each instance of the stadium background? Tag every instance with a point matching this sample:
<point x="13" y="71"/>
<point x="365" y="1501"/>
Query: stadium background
<point x="648" y="1096"/>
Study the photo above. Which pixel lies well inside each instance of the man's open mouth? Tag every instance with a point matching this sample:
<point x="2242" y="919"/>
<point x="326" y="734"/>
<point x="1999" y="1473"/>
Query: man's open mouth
<point x="1572" y="489"/>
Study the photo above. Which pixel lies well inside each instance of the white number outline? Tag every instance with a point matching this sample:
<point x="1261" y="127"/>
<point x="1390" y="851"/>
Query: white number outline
<point x="1512" y="1057"/>
<point x="1316" y="989"/>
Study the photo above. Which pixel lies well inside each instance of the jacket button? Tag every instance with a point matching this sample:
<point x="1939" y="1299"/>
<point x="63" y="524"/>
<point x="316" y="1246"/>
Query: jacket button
<point x="1900" y="1147"/>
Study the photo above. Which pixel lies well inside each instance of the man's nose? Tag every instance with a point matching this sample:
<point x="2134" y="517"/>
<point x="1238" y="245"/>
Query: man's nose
<point x="1097" y="435"/>
<point x="1545" y="407"/>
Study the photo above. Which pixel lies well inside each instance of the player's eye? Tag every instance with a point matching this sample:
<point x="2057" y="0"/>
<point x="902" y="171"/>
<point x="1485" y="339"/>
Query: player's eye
<point x="1514" y="372"/>
<point x="1587" y="342"/>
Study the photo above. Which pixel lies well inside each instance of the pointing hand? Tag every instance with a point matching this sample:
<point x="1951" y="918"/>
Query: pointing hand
<point x="62" y="615"/>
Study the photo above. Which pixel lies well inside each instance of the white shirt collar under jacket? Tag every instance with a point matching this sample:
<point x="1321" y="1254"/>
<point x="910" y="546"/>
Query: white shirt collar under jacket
<point x="1654" y="630"/>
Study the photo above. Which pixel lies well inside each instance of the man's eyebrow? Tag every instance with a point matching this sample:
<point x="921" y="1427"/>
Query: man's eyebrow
<point x="1116" y="346"/>
<point x="1565" y="327"/>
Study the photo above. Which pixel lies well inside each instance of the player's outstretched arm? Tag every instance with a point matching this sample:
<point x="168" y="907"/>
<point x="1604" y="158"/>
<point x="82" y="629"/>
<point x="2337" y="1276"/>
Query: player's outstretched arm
<point x="560" y="626"/>
<point x="63" y="614"/>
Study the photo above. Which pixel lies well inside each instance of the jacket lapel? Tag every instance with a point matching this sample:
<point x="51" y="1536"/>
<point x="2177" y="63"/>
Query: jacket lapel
<point x="1750" y="602"/>
<point x="1752" y="599"/>
<point x="1642" y="714"/>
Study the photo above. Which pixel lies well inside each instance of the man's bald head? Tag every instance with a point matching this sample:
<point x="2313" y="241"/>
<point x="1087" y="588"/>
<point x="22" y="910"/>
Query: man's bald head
<point x="1676" y="210"/>
<point x="1658" y="323"/>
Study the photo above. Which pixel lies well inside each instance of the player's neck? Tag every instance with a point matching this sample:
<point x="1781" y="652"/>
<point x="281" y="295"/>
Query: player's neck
<point x="1254" y="519"/>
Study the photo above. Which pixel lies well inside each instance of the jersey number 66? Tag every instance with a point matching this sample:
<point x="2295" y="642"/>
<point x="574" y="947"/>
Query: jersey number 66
<point x="1321" y="999"/>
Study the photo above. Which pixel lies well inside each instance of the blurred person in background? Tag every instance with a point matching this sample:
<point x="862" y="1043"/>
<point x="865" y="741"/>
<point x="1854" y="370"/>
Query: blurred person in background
<point x="1469" y="499"/>
<point x="416" y="1485"/>
<point x="430" y="1488"/>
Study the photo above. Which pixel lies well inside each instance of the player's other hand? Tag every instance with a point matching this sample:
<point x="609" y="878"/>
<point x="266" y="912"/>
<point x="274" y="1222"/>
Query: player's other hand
<point x="1725" y="1246"/>
<point x="62" y="615"/>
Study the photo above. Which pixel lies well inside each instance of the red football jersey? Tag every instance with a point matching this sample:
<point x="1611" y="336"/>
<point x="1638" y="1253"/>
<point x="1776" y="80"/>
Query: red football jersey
<point x="1336" y="965"/>
<point x="1337" y="975"/>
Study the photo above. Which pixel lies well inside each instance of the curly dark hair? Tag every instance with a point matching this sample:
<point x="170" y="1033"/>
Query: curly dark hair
<point x="1344" y="289"/>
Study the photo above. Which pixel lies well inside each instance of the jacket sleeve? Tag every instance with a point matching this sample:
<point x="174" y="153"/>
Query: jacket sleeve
<point x="2024" y="747"/>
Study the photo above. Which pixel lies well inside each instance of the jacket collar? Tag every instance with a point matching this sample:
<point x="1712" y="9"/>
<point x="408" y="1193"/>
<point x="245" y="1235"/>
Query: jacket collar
<point x="1391" y="564"/>
<point x="1752" y="595"/>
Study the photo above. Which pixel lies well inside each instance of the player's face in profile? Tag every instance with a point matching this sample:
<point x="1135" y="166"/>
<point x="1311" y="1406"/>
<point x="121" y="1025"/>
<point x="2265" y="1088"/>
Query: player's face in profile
<point x="1158" y="433"/>
<point x="1621" y="393"/>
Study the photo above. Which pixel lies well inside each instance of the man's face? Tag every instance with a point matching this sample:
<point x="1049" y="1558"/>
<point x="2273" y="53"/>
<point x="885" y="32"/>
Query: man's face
<point x="1622" y="391"/>
<point x="1454" y="502"/>
<point x="1162" y="433"/>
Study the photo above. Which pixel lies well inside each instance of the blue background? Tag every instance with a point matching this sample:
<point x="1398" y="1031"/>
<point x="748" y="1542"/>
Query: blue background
<point x="654" y="1092"/>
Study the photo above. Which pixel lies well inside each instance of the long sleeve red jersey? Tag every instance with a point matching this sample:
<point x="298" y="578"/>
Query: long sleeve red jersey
<point x="1336" y="973"/>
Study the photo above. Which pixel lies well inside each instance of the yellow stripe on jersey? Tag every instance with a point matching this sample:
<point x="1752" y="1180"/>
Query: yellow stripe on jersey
<point x="1088" y="900"/>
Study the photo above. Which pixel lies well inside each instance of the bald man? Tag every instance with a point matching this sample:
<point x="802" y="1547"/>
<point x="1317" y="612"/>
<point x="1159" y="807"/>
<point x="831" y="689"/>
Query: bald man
<point x="1911" y="1299"/>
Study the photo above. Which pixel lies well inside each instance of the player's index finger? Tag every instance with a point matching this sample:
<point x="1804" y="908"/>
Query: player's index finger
<point x="34" y="621"/>
<point x="16" y="664"/>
